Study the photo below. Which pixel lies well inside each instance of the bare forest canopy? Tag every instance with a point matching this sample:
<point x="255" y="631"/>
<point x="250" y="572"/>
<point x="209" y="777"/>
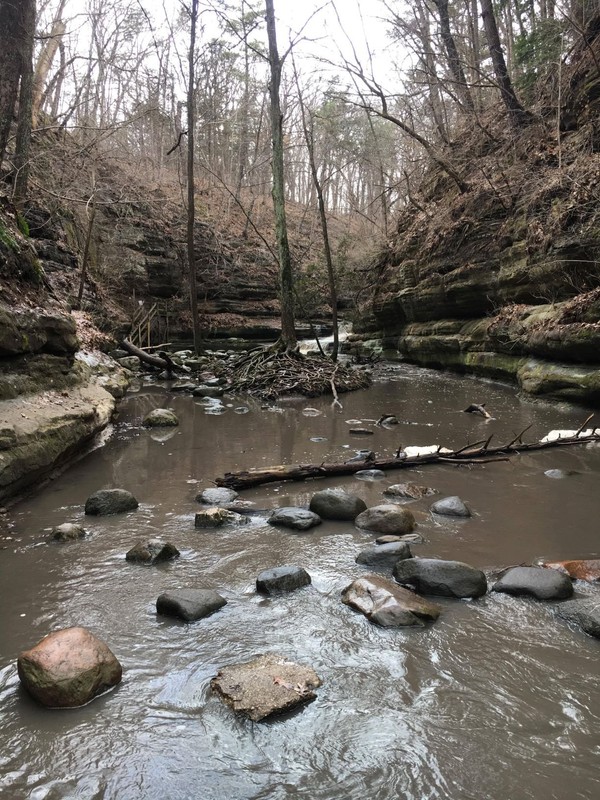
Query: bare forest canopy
<point x="198" y="95"/>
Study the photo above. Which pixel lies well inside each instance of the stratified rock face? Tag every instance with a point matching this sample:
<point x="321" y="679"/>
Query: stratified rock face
<point x="217" y="497"/>
<point x="337" y="504"/>
<point x="110" y="501"/>
<point x="215" y="517"/>
<point x="387" y="518"/>
<point x="189" y="604"/>
<point x="68" y="668"/>
<point x="160" y="417"/>
<point x="410" y="490"/>
<point x="299" y="519"/>
<point x="282" y="579"/>
<point x="384" y="555"/>
<point x="387" y="604"/>
<point x="268" y="685"/>
<point x="152" y="552"/>
<point x="584" y="570"/>
<point x="36" y="332"/>
<point x="443" y="578"/>
<point x="450" y="507"/>
<point x="543" y="584"/>
<point x="584" y="612"/>
<point x="68" y="531"/>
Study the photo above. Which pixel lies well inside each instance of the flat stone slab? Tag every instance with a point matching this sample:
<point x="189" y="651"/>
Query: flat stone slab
<point x="152" y="551"/>
<point x="439" y="577"/>
<point x="387" y="518"/>
<point x="450" y="507"/>
<point x="282" y="579"/>
<point x="543" y="584"/>
<point x="337" y="504"/>
<point x="299" y="519"/>
<point x="411" y="491"/>
<point x="217" y="496"/>
<point x="385" y="603"/>
<point x="384" y="555"/>
<point x="110" y="501"/>
<point x="68" y="668"/>
<point x="215" y="517"/>
<point x="67" y="532"/>
<point x="584" y="612"/>
<point x="160" y="418"/>
<point x="189" y="604"/>
<point x="583" y="570"/>
<point x="270" y="684"/>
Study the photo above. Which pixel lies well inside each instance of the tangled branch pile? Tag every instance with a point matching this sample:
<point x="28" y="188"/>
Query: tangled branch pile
<point x="272" y="373"/>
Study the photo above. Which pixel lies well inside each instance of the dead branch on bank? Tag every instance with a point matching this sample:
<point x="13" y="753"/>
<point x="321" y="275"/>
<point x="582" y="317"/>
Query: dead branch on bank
<point x="478" y="453"/>
<point x="161" y="361"/>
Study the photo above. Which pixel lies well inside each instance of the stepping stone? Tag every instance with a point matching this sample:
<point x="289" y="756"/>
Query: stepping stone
<point x="337" y="504"/>
<point x="409" y="490"/>
<point x="189" y="604"/>
<point x="152" y="552"/>
<point x="387" y="518"/>
<point x="217" y="496"/>
<point x="215" y="517"/>
<point x="110" y="501"/>
<point x="299" y="519"/>
<point x="543" y="584"/>
<point x="384" y="555"/>
<point x="438" y="577"/>
<point x="387" y="604"/>
<point x="282" y="579"/>
<point x="584" y="612"/>
<point x="160" y="418"/>
<point x="67" y="532"/>
<point x="450" y="507"/>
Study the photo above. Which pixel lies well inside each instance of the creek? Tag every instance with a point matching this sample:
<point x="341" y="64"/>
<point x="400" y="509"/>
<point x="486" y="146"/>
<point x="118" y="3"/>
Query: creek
<point x="497" y="699"/>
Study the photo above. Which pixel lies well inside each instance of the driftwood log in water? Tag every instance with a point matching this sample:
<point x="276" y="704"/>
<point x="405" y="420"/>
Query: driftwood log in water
<point x="161" y="361"/>
<point x="477" y="453"/>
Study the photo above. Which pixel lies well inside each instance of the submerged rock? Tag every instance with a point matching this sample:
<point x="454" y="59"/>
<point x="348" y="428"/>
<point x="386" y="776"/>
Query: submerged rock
<point x="189" y="604"/>
<point x="152" y="552"/>
<point x="183" y="386"/>
<point x="416" y="538"/>
<point x="385" y="603"/>
<point x="282" y="579"/>
<point x="387" y="518"/>
<point x="299" y="519"/>
<point x="450" y="507"/>
<point x="270" y="684"/>
<point x="584" y="570"/>
<point x="110" y="501"/>
<point x="68" y="668"/>
<point x="217" y="496"/>
<point x="369" y="474"/>
<point x="337" y="504"/>
<point x="208" y="391"/>
<point x="160" y="417"/>
<point x="384" y="555"/>
<point x="67" y="532"/>
<point x="543" y="584"/>
<point x="443" y="578"/>
<point x="215" y="517"/>
<point x="584" y="612"/>
<point x="409" y="490"/>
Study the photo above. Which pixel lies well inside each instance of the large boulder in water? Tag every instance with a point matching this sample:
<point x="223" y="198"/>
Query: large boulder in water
<point x="282" y="579"/>
<point x="543" y="584"/>
<point x="217" y="496"/>
<point x="443" y="578"/>
<point x="384" y="555"/>
<point x="385" y="603"/>
<point x="215" y="517"/>
<point x="583" y="570"/>
<point x="152" y="551"/>
<point x="67" y="532"/>
<point x="68" y="668"/>
<point x="267" y="685"/>
<point x="337" y="504"/>
<point x="110" y="501"/>
<point x="298" y="519"/>
<point x="388" y="518"/>
<point x="584" y="612"/>
<point x="450" y="507"/>
<point x="159" y="418"/>
<point x="189" y="604"/>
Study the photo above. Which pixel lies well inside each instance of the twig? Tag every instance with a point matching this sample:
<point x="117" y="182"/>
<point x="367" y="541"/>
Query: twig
<point x="518" y="437"/>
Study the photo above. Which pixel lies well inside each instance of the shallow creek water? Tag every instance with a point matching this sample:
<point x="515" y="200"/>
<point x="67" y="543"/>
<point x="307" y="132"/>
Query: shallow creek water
<point x="498" y="699"/>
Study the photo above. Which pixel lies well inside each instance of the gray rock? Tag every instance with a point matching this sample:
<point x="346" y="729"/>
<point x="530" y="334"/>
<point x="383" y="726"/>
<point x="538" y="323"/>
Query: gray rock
<point x="450" y="507"/>
<point x="299" y="519"/>
<point x="160" y="417"/>
<point x="215" y="517"/>
<point x="67" y="532"/>
<point x="189" y="604"/>
<point x="118" y="354"/>
<point x="386" y="518"/>
<point x="208" y="391"/>
<point x="438" y="577"/>
<point x="584" y="612"/>
<point x="110" y="501"/>
<point x="543" y="584"/>
<point x="415" y="538"/>
<point x="217" y="496"/>
<point x="152" y="551"/>
<point x="385" y="603"/>
<point x="369" y="474"/>
<point x="129" y="362"/>
<point x="337" y="504"/>
<point x="558" y="474"/>
<point x="409" y="490"/>
<point x="384" y="555"/>
<point x="183" y="386"/>
<point x="270" y="684"/>
<point x="282" y="579"/>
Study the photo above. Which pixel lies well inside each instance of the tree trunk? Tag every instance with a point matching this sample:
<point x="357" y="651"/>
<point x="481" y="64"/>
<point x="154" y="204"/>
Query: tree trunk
<point x="11" y="32"/>
<point x="454" y="63"/>
<point x="45" y="60"/>
<point x="286" y="276"/>
<point x="23" y="141"/>
<point x="191" y="210"/>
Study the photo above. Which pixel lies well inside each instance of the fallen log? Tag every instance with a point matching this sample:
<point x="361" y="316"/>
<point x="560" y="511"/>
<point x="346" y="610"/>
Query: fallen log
<point x="161" y="362"/>
<point x="479" y="453"/>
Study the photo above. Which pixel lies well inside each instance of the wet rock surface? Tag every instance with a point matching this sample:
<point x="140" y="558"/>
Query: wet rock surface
<point x="582" y="570"/>
<point x="438" y="577"/>
<point x="386" y="519"/>
<point x="411" y="491"/>
<point x="299" y="519"/>
<point x="160" y="417"/>
<point x="337" y="504"/>
<point x="384" y="555"/>
<point x="450" y="507"/>
<point x="385" y="603"/>
<point x="217" y="496"/>
<point x="215" y="517"/>
<point x="152" y="551"/>
<point x="267" y="685"/>
<point x="282" y="579"/>
<point x="543" y="584"/>
<point x="68" y="668"/>
<point x="584" y="612"/>
<point x="67" y="532"/>
<point x="189" y="604"/>
<point x="110" y="501"/>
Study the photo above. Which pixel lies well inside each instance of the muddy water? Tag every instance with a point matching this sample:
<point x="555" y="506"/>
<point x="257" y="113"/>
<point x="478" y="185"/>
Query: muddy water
<point x="498" y="699"/>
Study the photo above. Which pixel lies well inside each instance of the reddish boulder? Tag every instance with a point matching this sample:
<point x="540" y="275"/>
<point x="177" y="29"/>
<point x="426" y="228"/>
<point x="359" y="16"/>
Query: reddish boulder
<point x="583" y="570"/>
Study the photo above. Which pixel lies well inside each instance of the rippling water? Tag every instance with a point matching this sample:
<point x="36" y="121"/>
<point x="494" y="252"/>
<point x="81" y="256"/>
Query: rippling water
<point x="498" y="699"/>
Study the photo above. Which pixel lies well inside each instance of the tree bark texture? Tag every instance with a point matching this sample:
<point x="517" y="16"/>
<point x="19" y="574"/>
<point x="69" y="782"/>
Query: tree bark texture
<point x="191" y="210"/>
<point x="23" y="141"/>
<point x="12" y="27"/>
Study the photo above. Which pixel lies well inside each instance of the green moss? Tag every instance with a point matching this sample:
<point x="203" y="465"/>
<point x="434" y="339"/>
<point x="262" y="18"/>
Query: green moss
<point x="22" y="224"/>
<point x="7" y="239"/>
